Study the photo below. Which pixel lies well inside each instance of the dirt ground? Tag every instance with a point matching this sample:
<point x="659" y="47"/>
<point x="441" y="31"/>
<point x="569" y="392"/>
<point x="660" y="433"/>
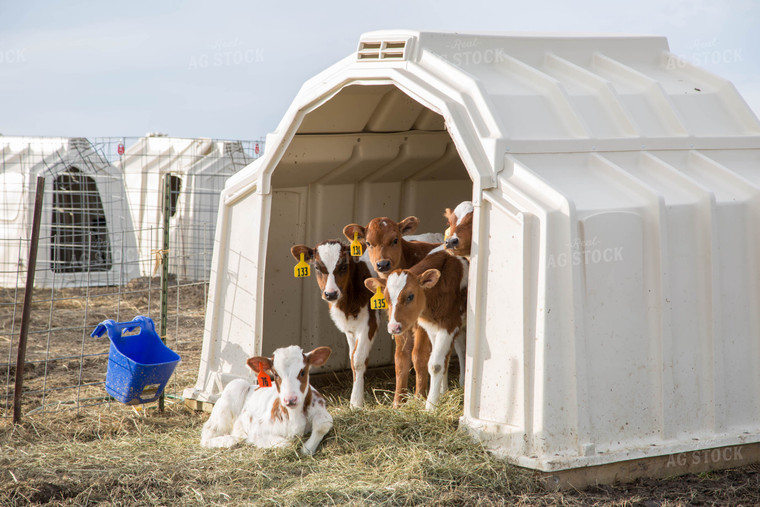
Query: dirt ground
<point x="59" y="376"/>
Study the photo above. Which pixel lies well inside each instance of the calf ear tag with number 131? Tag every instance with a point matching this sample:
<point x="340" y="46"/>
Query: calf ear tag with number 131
<point x="356" y="246"/>
<point x="301" y="269"/>
<point x="378" y="301"/>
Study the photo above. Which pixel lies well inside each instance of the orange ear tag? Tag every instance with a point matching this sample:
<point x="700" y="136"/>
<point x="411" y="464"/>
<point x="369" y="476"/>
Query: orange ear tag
<point x="264" y="380"/>
<point x="356" y="246"/>
<point x="378" y="300"/>
<point x="301" y="270"/>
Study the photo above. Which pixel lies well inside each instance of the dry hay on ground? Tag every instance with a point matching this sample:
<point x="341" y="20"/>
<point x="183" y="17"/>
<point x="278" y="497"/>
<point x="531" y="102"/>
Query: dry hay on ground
<point x="113" y="455"/>
<point x="376" y="455"/>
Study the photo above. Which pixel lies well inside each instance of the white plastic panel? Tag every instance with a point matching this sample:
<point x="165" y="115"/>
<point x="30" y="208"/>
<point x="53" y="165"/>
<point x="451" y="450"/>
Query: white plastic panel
<point x="621" y="369"/>
<point x="11" y="195"/>
<point x="499" y="350"/>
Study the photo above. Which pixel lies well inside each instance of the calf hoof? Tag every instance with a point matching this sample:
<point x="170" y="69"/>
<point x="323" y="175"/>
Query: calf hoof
<point x="357" y="400"/>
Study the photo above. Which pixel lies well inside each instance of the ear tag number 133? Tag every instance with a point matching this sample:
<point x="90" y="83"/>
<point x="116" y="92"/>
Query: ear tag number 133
<point x="378" y="301"/>
<point x="301" y="270"/>
<point x="356" y="246"/>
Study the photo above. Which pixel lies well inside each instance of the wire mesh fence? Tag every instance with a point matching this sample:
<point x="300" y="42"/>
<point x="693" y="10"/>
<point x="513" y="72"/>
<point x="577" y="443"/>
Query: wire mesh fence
<point x="97" y="254"/>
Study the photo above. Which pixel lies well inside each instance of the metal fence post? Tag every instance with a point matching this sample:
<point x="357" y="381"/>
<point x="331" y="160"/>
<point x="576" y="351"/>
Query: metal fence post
<point x="165" y="268"/>
<point x="28" y="289"/>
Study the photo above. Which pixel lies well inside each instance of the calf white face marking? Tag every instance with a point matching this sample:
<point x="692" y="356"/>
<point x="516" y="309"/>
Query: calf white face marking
<point x="329" y="254"/>
<point x="290" y="366"/>
<point x="396" y="283"/>
<point x="462" y="210"/>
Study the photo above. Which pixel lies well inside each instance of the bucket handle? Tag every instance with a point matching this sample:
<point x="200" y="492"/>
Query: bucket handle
<point x="115" y="329"/>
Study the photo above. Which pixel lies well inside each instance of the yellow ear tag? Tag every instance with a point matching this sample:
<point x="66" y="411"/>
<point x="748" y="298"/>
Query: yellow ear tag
<point x="447" y="233"/>
<point x="356" y="246"/>
<point x="301" y="270"/>
<point x="378" y="300"/>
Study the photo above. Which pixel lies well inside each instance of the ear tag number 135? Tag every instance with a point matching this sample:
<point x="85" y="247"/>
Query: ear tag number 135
<point x="378" y="301"/>
<point x="356" y="246"/>
<point x="301" y="270"/>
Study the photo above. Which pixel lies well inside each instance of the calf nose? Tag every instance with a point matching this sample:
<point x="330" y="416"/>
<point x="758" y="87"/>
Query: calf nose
<point x="394" y="328"/>
<point x="383" y="266"/>
<point x="291" y="401"/>
<point x="452" y="242"/>
<point x="331" y="296"/>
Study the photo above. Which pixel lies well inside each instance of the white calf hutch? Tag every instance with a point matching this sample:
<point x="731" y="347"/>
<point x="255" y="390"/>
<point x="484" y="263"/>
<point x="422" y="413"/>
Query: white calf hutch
<point x="198" y="170"/>
<point x="86" y="233"/>
<point x="615" y="281"/>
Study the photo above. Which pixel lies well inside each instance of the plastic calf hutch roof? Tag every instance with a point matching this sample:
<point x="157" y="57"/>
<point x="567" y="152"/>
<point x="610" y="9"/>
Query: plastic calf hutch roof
<point x="86" y="234"/>
<point x="614" y="279"/>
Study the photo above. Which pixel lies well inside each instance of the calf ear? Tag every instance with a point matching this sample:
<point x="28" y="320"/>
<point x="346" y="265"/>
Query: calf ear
<point x="408" y="225"/>
<point x="297" y="250"/>
<point x="447" y="213"/>
<point x="373" y="283"/>
<point x="350" y="229"/>
<point x="318" y="356"/>
<point x="429" y="278"/>
<point x="258" y="363"/>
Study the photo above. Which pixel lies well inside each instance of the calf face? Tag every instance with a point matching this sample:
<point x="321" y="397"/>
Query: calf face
<point x="383" y="238"/>
<point x="331" y="263"/>
<point x="405" y="296"/>
<point x="289" y="368"/>
<point x="459" y="238"/>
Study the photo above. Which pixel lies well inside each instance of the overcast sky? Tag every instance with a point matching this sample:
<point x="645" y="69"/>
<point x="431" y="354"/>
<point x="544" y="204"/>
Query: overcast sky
<point x="229" y="69"/>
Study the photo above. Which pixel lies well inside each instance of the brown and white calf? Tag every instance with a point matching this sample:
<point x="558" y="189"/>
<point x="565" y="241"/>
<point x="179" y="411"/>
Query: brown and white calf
<point x="432" y="295"/>
<point x="459" y="233"/>
<point x="341" y="282"/>
<point x="388" y="250"/>
<point x="388" y="247"/>
<point x="272" y="416"/>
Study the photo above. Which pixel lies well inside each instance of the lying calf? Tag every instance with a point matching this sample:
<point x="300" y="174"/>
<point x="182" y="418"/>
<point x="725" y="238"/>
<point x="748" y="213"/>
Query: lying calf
<point x="272" y="416"/>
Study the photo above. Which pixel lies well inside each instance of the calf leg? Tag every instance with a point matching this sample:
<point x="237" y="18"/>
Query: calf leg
<point x="460" y="346"/>
<point x="403" y="363"/>
<point x="441" y="347"/>
<point x="445" y="376"/>
<point x="218" y="429"/>
<point x="420" y="357"/>
<point x="359" y="365"/>
<point x="321" y="424"/>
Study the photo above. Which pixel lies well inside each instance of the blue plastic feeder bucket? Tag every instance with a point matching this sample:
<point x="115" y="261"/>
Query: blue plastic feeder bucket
<point x="139" y="364"/>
